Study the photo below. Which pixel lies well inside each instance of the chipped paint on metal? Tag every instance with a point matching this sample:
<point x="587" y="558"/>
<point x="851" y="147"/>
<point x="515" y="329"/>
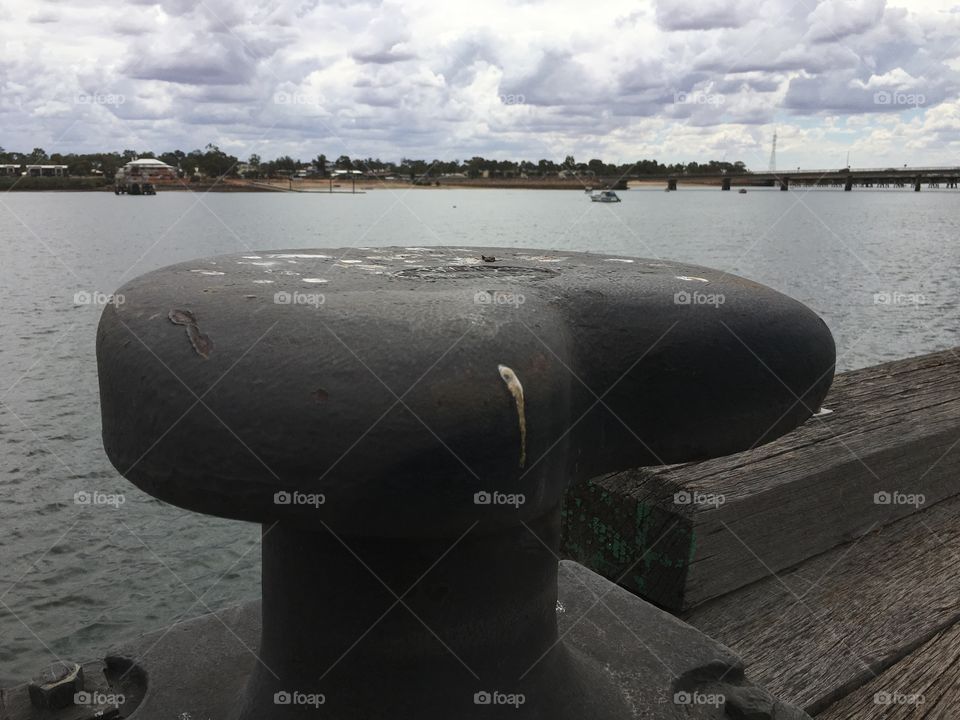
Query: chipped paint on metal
<point x="516" y="389"/>
<point x="201" y="343"/>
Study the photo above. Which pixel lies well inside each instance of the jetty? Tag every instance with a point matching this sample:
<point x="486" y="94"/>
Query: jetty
<point x="845" y="179"/>
<point x="827" y="559"/>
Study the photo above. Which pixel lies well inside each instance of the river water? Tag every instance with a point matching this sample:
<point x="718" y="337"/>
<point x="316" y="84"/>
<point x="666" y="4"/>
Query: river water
<point x="75" y="580"/>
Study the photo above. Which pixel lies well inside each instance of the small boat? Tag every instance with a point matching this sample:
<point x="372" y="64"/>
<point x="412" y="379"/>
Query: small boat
<point x="607" y="196"/>
<point x="742" y="191"/>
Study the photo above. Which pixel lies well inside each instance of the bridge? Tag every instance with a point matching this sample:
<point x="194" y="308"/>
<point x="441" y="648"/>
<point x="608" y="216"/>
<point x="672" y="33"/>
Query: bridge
<point x="846" y="178"/>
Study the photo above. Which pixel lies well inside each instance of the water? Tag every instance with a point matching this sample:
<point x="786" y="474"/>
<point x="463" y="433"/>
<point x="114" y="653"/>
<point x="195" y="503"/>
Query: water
<point x="76" y="580"/>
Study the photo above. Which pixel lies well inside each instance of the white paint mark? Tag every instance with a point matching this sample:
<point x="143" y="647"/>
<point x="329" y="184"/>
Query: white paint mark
<point x="208" y="272"/>
<point x="543" y="258"/>
<point x="822" y="411"/>
<point x="516" y="389"/>
<point x="263" y="282"/>
<point x="314" y="280"/>
<point x="286" y="256"/>
<point x="691" y="278"/>
<point x="620" y="260"/>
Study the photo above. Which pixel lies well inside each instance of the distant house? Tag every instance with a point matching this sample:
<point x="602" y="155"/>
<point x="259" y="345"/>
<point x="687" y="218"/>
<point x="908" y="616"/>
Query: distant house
<point x="147" y="170"/>
<point x="46" y="170"/>
<point x="9" y="169"/>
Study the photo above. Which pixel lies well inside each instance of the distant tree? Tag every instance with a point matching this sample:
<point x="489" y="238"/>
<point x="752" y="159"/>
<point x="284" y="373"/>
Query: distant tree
<point x="597" y="167"/>
<point x="38" y="155"/>
<point x="285" y="163"/>
<point x="476" y="166"/>
<point x="216" y="163"/>
<point x="321" y="164"/>
<point x="344" y="163"/>
<point x="547" y="167"/>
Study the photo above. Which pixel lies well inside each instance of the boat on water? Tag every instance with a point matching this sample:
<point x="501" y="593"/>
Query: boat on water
<point x="742" y="191"/>
<point x="607" y="196"/>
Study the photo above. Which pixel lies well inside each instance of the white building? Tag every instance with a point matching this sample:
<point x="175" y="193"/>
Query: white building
<point x="46" y="170"/>
<point x="147" y="170"/>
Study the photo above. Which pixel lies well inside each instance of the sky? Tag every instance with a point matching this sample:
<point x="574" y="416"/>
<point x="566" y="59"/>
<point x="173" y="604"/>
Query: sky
<point x="672" y="80"/>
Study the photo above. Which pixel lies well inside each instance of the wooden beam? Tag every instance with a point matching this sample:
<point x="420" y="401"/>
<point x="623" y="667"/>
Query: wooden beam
<point x="682" y="534"/>
<point x="817" y="632"/>
<point x="924" y="684"/>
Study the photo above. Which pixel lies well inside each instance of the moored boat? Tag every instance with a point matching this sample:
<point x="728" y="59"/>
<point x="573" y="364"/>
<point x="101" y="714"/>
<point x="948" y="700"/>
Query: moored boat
<point x="606" y="196"/>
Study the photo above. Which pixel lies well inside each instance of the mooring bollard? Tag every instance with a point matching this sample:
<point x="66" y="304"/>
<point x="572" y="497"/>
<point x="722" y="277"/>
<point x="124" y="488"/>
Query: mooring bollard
<point x="403" y="423"/>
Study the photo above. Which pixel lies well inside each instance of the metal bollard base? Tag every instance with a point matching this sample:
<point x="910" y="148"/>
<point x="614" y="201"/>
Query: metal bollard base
<point x="660" y="667"/>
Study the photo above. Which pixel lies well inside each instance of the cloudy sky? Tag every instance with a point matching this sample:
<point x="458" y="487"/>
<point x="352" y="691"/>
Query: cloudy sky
<point x="675" y="80"/>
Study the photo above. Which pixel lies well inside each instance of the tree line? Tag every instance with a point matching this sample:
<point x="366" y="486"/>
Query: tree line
<point x="214" y="162"/>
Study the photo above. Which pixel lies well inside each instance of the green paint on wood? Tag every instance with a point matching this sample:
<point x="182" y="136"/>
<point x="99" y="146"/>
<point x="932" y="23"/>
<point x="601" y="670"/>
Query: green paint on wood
<point x="613" y="536"/>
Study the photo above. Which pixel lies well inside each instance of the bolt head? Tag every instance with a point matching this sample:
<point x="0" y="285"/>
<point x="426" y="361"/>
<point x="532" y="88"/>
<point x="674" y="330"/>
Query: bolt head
<point x="55" y="686"/>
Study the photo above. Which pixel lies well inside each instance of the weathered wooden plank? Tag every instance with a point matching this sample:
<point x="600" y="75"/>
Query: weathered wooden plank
<point x="892" y="429"/>
<point x="925" y="685"/>
<point x="816" y="632"/>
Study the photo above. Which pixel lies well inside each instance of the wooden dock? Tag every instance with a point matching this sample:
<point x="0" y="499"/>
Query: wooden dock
<point x="829" y="560"/>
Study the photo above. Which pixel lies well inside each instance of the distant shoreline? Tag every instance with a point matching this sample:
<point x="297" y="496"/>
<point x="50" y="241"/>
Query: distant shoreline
<point x="319" y="186"/>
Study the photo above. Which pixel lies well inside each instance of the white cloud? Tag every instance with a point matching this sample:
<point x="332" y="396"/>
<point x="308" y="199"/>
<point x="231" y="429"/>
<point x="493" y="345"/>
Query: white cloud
<point x="501" y="78"/>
